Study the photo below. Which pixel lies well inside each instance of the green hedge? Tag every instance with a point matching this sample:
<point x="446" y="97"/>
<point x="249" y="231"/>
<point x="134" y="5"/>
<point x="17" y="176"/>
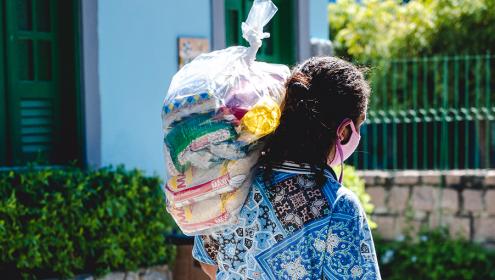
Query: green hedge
<point x="63" y="222"/>
<point x="434" y="256"/>
<point x="356" y="184"/>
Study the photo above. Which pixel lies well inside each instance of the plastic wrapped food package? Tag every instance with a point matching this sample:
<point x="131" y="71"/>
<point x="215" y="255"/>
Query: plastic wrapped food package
<point x="197" y="184"/>
<point x="216" y="110"/>
<point x="211" y="214"/>
<point x="193" y="135"/>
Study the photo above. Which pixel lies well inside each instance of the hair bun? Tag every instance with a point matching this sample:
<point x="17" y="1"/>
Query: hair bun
<point x="297" y="86"/>
<point x="299" y="93"/>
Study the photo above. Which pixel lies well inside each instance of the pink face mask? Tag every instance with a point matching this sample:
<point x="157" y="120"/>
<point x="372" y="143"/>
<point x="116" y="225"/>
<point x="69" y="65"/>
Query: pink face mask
<point x="342" y="152"/>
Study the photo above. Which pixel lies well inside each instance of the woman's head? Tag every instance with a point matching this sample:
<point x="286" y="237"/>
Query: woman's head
<point x="321" y="93"/>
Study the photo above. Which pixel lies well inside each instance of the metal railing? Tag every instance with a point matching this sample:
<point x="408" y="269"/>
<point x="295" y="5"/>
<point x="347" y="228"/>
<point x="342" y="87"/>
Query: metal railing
<point x="430" y="113"/>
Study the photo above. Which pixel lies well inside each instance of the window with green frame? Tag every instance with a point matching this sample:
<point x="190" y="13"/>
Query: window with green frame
<point x="38" y="97"/>
<point x="280" y="47"/>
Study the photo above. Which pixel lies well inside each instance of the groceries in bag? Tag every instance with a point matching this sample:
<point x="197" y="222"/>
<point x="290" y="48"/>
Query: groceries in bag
<point x="216" y="112"/>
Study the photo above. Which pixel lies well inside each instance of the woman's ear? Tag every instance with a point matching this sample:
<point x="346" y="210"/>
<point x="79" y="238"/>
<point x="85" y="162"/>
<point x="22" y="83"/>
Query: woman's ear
<point x="344" y="133"/>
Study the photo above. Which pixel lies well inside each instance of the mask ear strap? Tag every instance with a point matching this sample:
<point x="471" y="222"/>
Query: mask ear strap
<point x="341" y="153"/>
<point x="339" y="148"/>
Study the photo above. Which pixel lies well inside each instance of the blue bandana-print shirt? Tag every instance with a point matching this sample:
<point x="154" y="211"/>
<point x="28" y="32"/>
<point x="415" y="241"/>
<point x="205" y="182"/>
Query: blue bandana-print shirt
<point x="294" y="229"/>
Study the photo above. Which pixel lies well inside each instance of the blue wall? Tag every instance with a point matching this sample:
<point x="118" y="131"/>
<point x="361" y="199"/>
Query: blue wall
<point x="318" y="19"/>
<point x="137" y="58"/>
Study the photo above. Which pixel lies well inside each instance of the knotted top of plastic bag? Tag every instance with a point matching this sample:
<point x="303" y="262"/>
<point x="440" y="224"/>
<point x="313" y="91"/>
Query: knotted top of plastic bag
<point x="216" y="72"/>
<point x="252" y="30"/>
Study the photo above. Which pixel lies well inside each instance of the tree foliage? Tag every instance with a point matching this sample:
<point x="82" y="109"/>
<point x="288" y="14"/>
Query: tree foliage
<point x="388" y="28"/>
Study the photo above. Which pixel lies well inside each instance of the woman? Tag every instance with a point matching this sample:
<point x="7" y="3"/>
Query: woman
<point x="298" y="222"/>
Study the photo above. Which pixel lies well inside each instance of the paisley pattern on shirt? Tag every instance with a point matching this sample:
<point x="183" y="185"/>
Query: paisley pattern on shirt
<point x="298" y="256"/>
<point x="294" y="229"/>
<point x="297" y="201"/>
<point x="351" y="254"/>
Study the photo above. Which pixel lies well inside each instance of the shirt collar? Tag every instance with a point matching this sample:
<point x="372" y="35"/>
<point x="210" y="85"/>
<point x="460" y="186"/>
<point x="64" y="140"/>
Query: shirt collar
<point x="300" y="168"/>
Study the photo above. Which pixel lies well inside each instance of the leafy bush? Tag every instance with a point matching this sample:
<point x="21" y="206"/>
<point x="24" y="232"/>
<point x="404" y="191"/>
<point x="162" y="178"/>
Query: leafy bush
<point x="377" y="29"/>
<point x="355" y="183"/>
<point x="434" y="256"/>
<point x="61" y="222"/>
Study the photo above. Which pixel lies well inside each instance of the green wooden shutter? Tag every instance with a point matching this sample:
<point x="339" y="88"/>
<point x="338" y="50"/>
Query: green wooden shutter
<point x="282" y="30"/>
<point x="3" y="105"/>
<point x="234" y="15"/>
<point x="280" y="47"/>
<point x="33" y="98"/>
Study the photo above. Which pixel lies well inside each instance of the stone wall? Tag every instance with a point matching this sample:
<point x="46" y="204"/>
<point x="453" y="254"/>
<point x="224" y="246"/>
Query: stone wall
<point x="185" y="268"/>
<point x="462" y="201"/>
<point x="152" y="273"/>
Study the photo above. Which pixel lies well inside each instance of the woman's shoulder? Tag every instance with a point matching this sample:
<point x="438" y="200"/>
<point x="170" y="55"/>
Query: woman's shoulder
<point x="347" y="203"/>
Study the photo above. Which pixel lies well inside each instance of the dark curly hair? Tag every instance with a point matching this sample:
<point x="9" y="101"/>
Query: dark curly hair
<point x="321" y="92"/>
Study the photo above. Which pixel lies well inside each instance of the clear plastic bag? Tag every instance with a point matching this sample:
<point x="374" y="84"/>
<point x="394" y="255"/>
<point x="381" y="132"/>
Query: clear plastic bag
<point x="217" y="109"/>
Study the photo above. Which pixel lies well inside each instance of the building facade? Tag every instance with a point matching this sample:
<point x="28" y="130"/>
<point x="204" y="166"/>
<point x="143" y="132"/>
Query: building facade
<point x="83" y="80"/>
